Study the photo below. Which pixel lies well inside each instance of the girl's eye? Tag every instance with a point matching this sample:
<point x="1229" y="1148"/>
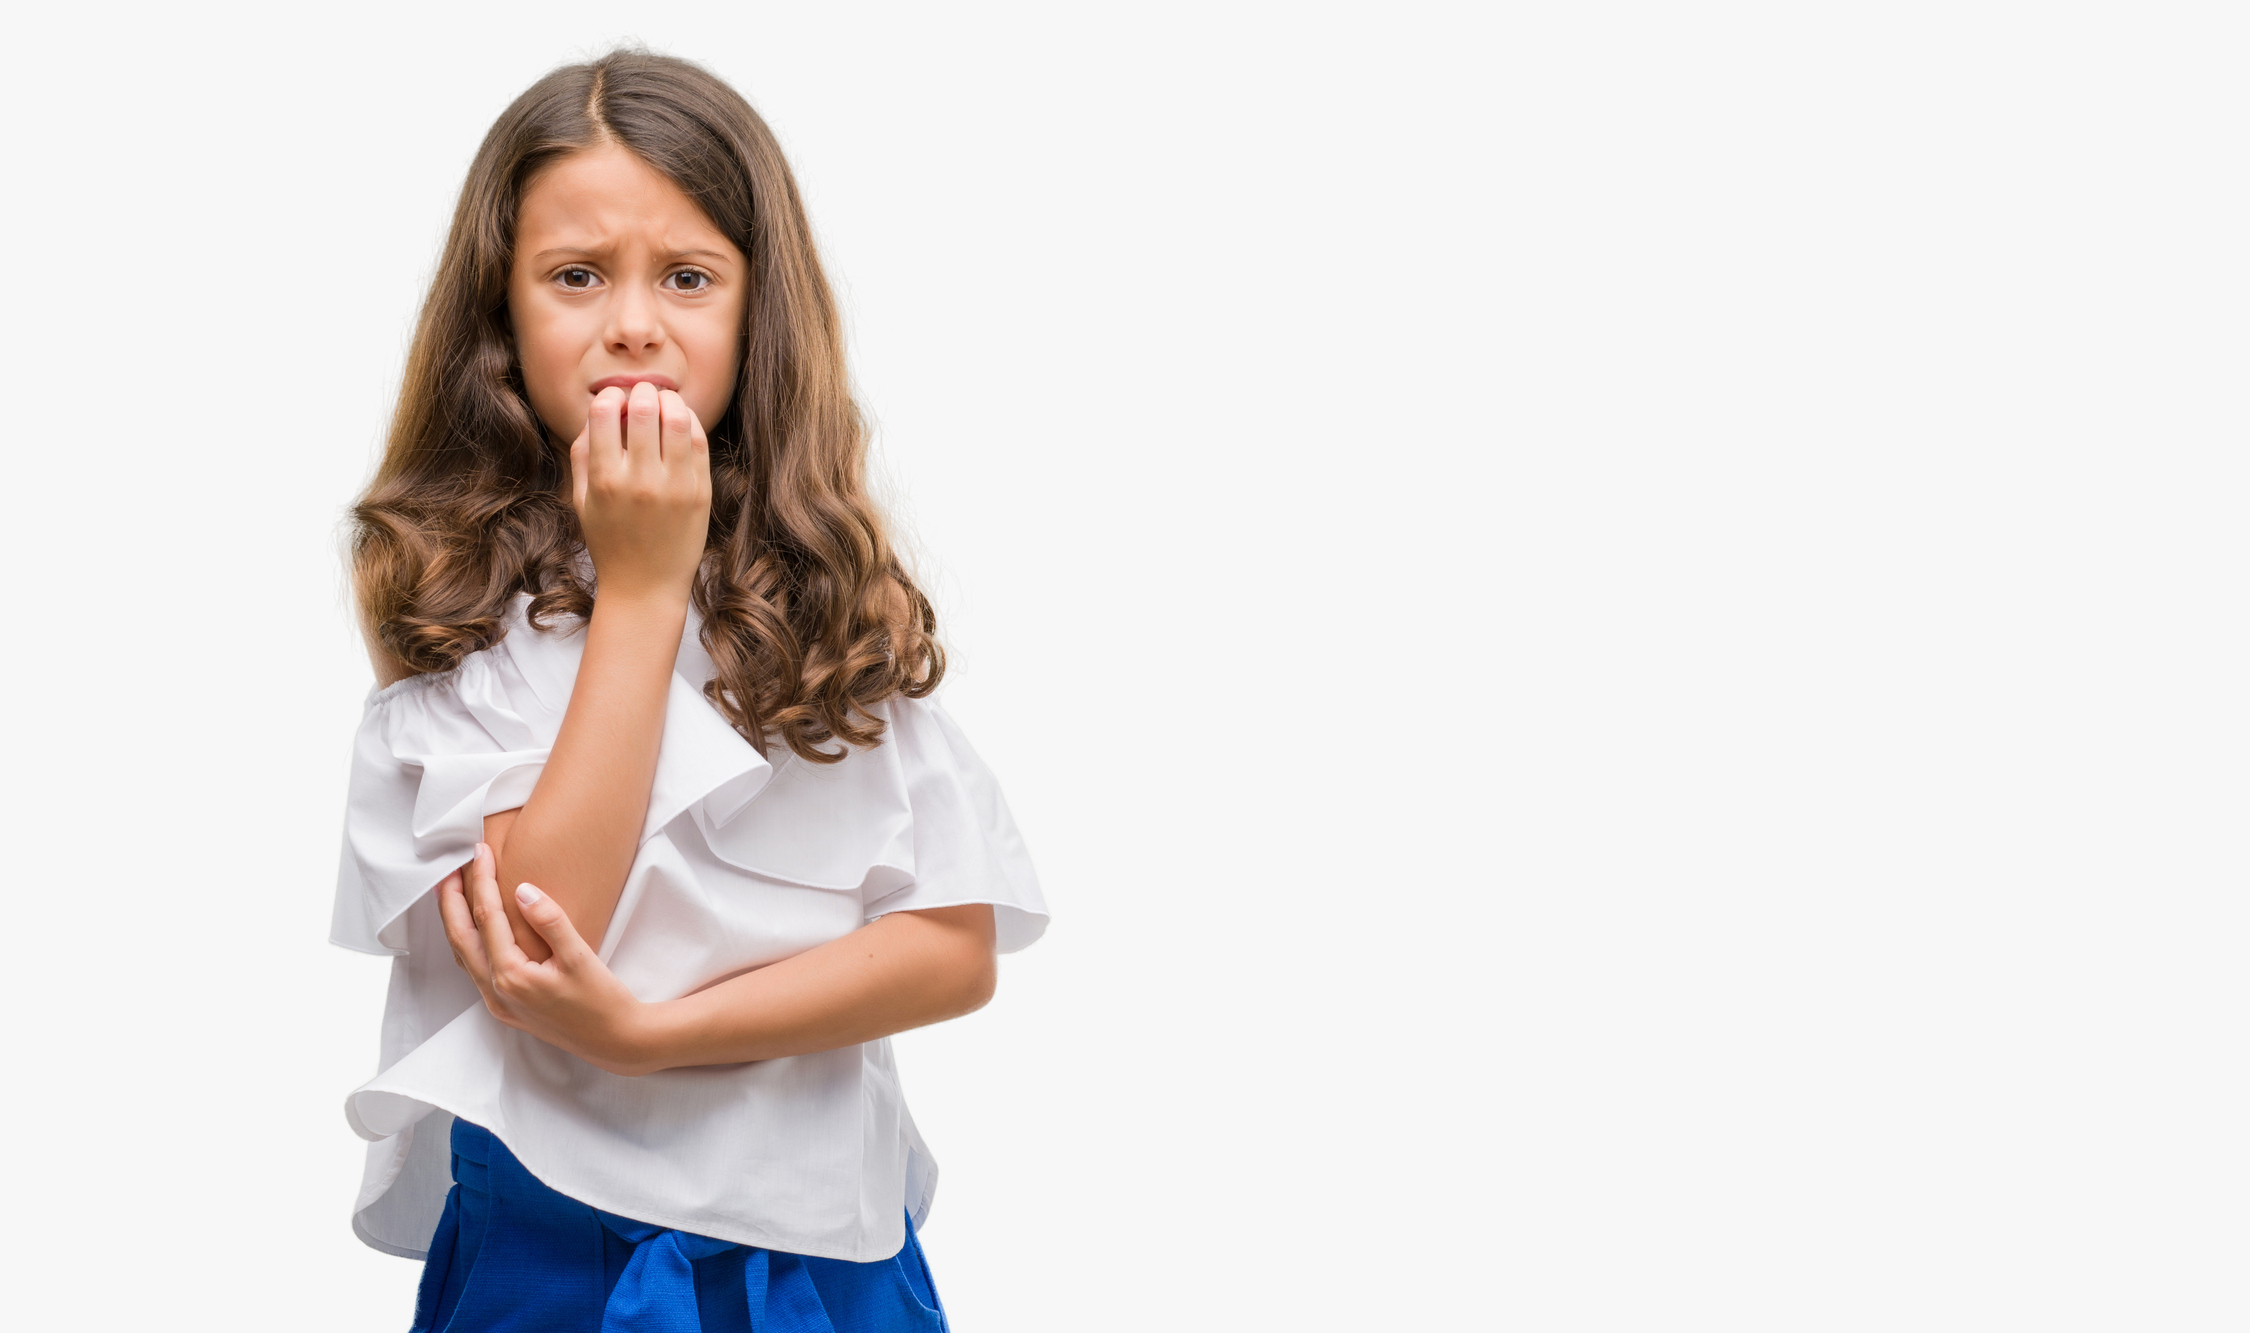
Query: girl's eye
<point x="691" y="281"/>
<point x="576" y="279"/>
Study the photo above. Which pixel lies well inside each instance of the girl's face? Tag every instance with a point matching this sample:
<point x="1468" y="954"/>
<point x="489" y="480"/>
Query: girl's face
<point x="618" y="278"/>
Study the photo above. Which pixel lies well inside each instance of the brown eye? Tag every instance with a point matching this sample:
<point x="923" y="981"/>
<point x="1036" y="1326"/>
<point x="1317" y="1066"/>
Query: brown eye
<point x="691" y="281"/>
<point x="577" y="279"/>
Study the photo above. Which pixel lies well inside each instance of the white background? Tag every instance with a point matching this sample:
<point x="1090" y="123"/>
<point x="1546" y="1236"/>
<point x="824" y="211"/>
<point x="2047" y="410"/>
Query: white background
<point x="1619" y="631"/>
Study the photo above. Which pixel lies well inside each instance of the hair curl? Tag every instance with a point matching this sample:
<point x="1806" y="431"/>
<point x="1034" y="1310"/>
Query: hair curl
<point x="809" y="616"/>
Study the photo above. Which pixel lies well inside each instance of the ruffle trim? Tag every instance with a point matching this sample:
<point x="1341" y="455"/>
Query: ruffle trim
<point x="456" y="747"/>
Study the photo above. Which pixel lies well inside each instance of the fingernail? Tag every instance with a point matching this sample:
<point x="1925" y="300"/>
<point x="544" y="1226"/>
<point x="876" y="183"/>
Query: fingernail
<point x="526" y="894"/>
<point x="483" y="850"/>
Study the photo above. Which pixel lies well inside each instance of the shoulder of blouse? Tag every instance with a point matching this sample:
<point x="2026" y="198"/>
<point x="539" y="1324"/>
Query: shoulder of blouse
<point x="422" y="682"/>
<point x="418" y="683"/>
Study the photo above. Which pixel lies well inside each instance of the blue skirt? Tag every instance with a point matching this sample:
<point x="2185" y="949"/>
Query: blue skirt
<point x="512" y="1254"/>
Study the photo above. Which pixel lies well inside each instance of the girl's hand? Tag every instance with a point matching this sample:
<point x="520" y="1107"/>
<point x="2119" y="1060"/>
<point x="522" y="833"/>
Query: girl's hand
<point x="640" y="478"/>
<point x="571" y="1000"/>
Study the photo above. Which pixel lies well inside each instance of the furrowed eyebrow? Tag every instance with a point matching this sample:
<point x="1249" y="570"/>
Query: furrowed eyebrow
<point x="581" y="252"/>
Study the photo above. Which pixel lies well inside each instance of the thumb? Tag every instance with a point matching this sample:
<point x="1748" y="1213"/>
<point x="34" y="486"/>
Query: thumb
<point x="553" y="924"/>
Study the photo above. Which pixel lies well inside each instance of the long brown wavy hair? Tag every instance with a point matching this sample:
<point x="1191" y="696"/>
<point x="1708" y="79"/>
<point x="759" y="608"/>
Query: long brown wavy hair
<point x="808" y="614"/>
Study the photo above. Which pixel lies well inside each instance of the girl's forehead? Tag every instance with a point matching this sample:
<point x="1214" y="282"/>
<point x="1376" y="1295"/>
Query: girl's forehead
<point x="605" y="196"/>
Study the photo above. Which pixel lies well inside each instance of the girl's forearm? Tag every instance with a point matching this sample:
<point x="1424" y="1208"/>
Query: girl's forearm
<point x="578" y="834"/>
<point x="904" y="970"/>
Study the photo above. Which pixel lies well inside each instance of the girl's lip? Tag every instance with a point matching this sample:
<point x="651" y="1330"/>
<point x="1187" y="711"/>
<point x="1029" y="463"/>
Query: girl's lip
<point x="626" y="382"/>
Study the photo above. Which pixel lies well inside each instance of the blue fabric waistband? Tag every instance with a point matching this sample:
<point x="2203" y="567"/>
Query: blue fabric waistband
<point x="511" y="1254"/>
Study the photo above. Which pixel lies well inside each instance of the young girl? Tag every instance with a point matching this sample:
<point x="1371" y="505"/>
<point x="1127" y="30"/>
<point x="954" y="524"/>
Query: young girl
<point x="651" y="805"/>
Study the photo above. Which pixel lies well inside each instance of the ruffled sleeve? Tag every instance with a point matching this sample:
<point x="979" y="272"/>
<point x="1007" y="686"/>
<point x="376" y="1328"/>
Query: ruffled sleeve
<point x="965" y="845"/>
<point x="434" y="755"/>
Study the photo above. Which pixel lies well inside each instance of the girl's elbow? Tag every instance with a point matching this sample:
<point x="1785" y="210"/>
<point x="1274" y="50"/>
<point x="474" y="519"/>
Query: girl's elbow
<point x="971" y="975"/>
<point x="981" y="978"/>
<point x="964" y="965"/>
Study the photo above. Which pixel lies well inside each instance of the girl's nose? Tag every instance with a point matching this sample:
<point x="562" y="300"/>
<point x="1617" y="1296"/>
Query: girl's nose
<point x="635" y="324"/>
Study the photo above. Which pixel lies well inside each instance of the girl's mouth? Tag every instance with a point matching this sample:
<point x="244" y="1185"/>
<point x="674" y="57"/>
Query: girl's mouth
<point x="626" y="382"/>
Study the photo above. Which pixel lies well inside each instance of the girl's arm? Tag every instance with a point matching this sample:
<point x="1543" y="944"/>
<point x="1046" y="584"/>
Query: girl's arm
<point x="641" y="482"/>
<point x="900" y="971"/>
<point x="580" y="829"/>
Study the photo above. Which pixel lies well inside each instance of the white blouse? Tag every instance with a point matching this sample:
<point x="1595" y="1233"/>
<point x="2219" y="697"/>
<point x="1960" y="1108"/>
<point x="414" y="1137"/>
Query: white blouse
<point x="742" y="862"/>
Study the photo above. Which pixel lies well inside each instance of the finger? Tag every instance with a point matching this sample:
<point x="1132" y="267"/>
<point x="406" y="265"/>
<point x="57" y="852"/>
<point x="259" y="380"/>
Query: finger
<point x="461" y="930"/>
<point x="580" y="448"/>
<point x="677" y="437"/>
<point x="699" y="450"/>
<point x="643" y="425"/>
<point x="606" y="434"/>
<point x="554" y="926"/>
<point x="500" y="951"/>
